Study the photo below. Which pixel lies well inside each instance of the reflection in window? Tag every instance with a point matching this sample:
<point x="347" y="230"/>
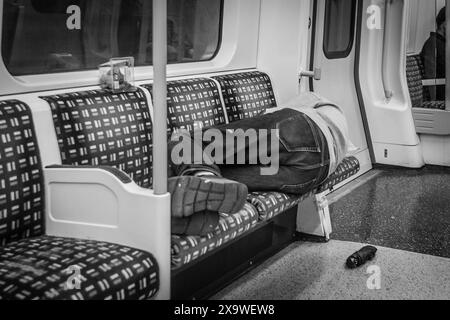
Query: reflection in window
<point x="339" y="28"/>
<point x="40" y="36"/>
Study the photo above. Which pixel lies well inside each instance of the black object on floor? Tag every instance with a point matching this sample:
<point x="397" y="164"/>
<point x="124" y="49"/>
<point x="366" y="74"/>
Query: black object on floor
<point x="403" y="209"/>
<point x="361" y="257"/>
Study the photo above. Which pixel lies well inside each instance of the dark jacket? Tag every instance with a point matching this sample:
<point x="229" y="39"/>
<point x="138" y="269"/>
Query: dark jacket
<point x="433" y="58"/>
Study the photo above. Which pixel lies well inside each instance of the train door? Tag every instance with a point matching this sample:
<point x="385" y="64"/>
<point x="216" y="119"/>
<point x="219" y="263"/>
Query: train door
<point x="428" y="54"/>
<point x="333" y="64"/>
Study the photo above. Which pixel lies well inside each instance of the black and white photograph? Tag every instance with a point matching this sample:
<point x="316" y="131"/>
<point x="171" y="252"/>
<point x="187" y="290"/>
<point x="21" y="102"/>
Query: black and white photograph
<point x="219" y="158"/>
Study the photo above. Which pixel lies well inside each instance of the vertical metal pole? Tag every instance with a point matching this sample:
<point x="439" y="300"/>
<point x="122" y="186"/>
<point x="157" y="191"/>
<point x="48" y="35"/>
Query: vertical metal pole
<point x="447" y="59"/>
<point x="159" y="97"/>
<point x="386" y="70"/>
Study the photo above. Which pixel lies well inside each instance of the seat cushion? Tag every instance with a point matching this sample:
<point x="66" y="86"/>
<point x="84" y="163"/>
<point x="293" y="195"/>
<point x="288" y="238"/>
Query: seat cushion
<point x="49" y="268"/>
<point x="246" y="95"/>
<point x="186" y="249"/>
<point x="349" y="167"/>
<point x="98" y="128"/>
<point x="21" y="178"/>
<point x="271" y="204"/>
<point x="193" y="103"/>
<point x="438" y="105"/>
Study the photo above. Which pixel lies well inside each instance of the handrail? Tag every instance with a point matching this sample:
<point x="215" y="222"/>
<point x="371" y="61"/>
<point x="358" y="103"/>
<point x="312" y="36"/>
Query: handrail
<point x="385" y="66"/>
<point x="160" y="97"/>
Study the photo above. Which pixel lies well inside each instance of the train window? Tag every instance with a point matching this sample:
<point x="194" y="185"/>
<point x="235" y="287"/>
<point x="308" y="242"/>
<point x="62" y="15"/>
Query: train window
<point x="339" y="28"/>
<point x="48" y="36"/>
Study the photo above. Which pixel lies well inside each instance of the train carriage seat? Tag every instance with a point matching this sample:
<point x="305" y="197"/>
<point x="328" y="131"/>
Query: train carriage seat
<point x="414" y="75"/>
<point x="191" y="103"/>
<point x="100" y="128"/>
<point x="196" y="103"/>
<point x="36" y="266"/>
<point x="184" y="96"/>
<point x="250" y="93"/>
<point x="187" y="249"/>
<point x="246" y="94"/>
<point x="90" y="126"/>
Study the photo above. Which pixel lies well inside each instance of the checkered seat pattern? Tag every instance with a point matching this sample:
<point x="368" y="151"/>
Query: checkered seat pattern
<point x="32" y="265"/>
<point x="349" y="167"/>
<point x="414" y="71"/>
<point x="21" y="184"/>
<point x="99" y="128"/>
<point x="439" y="105"/>
<point x="193" y="103"/>
<point x="187" y="249"/>
<point x="50" y="268"/>
<point x="419" y="96"/>
<point x="271" y="204"/>
<point x="246" y="95"/>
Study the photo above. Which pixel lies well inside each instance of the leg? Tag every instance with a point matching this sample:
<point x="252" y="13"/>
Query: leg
<point x="294" y="141"/>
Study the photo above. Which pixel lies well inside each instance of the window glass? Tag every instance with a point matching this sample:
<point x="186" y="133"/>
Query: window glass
<point x="47" y="36"/>
<point x="339" y="28"/>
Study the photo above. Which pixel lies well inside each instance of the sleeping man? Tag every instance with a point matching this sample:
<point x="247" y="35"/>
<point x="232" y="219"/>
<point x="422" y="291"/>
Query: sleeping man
<point x="290" y="150"/>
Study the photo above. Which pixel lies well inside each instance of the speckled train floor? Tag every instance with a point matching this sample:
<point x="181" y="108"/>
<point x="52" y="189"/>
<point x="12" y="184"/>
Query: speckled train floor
<point x="398" y="208"/>
<point x="308" y="271"/>
<point x="405" y="213"/>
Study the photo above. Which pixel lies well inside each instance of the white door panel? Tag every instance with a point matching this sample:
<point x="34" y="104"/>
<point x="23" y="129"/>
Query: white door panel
<point x="337" y="82"/>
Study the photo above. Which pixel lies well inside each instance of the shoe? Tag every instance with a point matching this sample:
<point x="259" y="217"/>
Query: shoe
<point x="190" y="195"/>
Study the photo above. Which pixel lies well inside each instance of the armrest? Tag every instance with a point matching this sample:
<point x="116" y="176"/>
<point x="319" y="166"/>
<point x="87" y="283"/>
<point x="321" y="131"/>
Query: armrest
<point x="104" y="204"/>
<point x="122" y="176"/>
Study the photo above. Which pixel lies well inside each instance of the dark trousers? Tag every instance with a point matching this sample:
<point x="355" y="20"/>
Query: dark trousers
<point x="301" y="153"/>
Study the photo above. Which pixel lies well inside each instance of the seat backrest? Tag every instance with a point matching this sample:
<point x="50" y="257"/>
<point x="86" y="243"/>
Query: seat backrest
<point x="193" y="102"/>
<point x="99" y="128"/>
<point x="246" y="95"/>
<point x="414" y="75"/>
<point x="21" y="178"/>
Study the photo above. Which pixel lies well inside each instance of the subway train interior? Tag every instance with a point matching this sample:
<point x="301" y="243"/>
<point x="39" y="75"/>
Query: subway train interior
<point x="92" y="93"/>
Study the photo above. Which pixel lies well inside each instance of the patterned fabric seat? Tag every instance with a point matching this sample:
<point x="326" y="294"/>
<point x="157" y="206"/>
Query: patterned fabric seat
<point x="271" y="204"/>
<point x="439" y="105"/>
<point x="83" y="123"/>
<point x="193" y="103"/>
<point x="349" y="167"/>
<point x="186" y="249"/>
<point x="31" y="264"/>
<point x="414" y="72"/>
<point x="246" y="95"/>
<point x="419" y="96"/>
<point x="46" y="268"/>
<point x="98" y="128"/>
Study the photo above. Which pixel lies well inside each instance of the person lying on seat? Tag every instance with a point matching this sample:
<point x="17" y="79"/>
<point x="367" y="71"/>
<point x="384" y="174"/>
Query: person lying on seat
<point x="306" y="141"/>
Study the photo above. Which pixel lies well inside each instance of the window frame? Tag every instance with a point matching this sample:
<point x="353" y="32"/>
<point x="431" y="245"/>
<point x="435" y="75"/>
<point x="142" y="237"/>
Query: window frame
<point x="84" y="69"/>
<point x="238" y="50"/>
<point x="331" y="55"/>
